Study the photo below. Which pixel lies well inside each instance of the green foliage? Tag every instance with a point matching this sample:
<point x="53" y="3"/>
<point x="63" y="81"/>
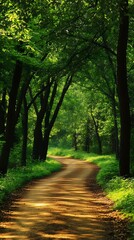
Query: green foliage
<point x="107" y="163"/>
<point x="75" y="117"/>
<point x="16" y="178"/>
<point x="15" y="155"/>
<point x="122" y="192"/>
<point x="59" y="38"/>
<point x="108" y="168"/>
<point x="68" y="152"/>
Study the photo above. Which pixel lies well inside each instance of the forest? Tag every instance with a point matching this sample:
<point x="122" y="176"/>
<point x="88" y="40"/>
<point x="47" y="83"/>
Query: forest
<point x="66" y="80"/>
<point x="81" y="51"/>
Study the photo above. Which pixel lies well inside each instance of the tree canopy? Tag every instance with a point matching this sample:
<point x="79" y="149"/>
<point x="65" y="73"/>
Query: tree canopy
<point x="66" y="76"/>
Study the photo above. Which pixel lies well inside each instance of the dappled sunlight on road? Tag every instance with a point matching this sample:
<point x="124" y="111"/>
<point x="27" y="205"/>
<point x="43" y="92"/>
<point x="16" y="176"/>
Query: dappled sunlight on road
<point x="58" y="207"/>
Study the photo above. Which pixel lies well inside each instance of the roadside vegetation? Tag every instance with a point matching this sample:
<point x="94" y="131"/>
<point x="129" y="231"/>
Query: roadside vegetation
<point x="118" y="189"/>
<point x="18" y="177"/>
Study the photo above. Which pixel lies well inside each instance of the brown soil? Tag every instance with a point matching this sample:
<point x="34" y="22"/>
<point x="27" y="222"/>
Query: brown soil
<point x="67" y="205"/>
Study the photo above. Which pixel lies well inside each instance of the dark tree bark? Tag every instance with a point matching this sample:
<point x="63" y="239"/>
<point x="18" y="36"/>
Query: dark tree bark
<point x="38" y="139"/>
<point x="123" y="90"/>
<point x="38" y="136"/>
<point x="47" y="125"/>
<point x="33" y="101"/>
<point x="10" y="126"/>
<point x="45" y="143"/>
<point x="38" y="128"/>
<point x="50" y="122"/>
<point x="2" y="114"/>
<point x="25" y="133"/>
<point x="116" y="138"/>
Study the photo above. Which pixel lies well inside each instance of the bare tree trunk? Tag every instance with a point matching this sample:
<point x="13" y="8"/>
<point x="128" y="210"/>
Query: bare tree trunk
<point x="10" y="127"/>
<point x="38" y="140"/>
<point x="2" y="114"/>
<point x="38" y="136"/>
<point x="123" y="90"/>
<point x="50" y="122"/>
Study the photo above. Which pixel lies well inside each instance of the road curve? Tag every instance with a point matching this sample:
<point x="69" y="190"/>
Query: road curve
<point x="61" y="206"/>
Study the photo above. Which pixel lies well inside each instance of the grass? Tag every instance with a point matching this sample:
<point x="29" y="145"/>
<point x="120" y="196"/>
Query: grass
<point x="120" y="190"/>
<point x="18" y="177"/>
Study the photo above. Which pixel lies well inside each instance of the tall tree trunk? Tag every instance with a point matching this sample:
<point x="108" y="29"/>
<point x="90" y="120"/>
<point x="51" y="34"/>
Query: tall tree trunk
<point x="10" y="126"/>
<point x="38" y="140"/>
<point x="123" y="90"/>
<point x="2" y="114"/>
<point x="47" y="129"/>
<point x="49" y="123"/>
<point x="44" y="149"/>
<point x="25" y="133"/>
<point x="38" y="136"/>
<point x="48" y="126"/>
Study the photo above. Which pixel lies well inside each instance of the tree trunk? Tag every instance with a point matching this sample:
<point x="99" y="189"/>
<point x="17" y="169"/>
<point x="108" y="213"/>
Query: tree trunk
<point x="49" y="123"/>
<point x="25" y="133"/>
<point x="38" y="140"/>
<point x="44" y="149"/>
<point x="2" y="115"/>
<point x="10" y="127"/>
<point x="47" y="129"/>
<point x="123" y="90"/>
<point x="38" y="136"/>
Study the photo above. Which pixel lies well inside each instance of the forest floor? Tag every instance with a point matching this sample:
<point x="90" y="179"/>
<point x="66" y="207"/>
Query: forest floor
<point x="67" y="205"/>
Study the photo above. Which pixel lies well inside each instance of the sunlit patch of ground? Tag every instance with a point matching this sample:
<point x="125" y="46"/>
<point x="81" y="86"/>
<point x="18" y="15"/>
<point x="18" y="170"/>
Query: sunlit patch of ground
<point x="61" y="207"/>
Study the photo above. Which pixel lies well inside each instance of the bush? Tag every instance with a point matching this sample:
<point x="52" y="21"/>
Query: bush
<point x="122" y="192"/>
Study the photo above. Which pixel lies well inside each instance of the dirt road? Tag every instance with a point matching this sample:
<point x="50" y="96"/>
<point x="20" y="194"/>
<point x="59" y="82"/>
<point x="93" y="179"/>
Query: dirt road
<point x="63" y="206"/>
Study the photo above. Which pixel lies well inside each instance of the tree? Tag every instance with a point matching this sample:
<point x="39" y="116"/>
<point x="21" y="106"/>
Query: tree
<point x="123" y="90"/>
<point x="2" y="114"/>
<point x="50" y="111"/>
<point x="60" y="40"/>
<point x="9" y="135"/>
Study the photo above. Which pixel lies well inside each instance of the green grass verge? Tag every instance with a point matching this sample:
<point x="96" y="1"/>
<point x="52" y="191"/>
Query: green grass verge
<point x="18" y="177"/>
<point x="120" y="190"/>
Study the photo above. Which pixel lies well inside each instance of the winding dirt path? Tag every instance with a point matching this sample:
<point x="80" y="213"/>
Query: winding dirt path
<point x="63" y="206"/>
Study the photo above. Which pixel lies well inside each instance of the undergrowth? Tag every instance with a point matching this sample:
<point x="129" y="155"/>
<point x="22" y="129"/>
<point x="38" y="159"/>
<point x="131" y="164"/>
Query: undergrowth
<point x="118" y="189"/>
<point x="18" y="177"/>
